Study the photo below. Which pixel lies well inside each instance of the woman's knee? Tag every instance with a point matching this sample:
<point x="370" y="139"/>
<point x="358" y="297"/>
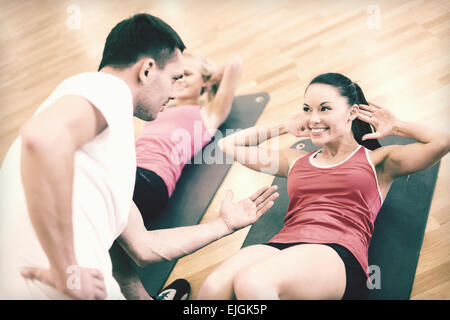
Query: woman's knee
<point x="217" y="286"/>
<point x="252" y="283"/>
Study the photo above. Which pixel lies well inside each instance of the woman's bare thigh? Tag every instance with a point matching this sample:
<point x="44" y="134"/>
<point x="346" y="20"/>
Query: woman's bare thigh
<point x="224" y="275"/>
<point x="304" y="271"/>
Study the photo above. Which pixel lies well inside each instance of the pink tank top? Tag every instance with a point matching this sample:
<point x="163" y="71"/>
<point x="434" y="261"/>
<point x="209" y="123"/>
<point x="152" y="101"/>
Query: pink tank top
<point x="169" y="142"/>
<point x="333" y="204"/>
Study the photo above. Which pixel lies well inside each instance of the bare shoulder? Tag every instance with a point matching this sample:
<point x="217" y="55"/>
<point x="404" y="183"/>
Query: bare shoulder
<point x="78" y="120"/>
<point x="292" y="155"/>
<point x="378" y="156"/>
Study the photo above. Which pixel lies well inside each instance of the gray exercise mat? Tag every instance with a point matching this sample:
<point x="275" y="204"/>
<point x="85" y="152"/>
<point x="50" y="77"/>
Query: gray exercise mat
<point x="198" y="184"/>
<point x="398" y="234"/>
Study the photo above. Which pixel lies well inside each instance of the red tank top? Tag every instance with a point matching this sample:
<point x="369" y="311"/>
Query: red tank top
<point x="333" y="204"/>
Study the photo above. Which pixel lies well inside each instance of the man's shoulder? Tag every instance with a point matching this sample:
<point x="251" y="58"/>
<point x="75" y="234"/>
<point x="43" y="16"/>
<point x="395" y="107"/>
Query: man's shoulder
<point x="98" y="87"/>
<point x="108" y="93"/>
<point x="95" y="79"/>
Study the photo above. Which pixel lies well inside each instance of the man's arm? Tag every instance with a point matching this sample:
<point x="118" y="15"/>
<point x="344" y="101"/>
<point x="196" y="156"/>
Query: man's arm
<point x="146" y="247"/>
<point x="49" y="142"/>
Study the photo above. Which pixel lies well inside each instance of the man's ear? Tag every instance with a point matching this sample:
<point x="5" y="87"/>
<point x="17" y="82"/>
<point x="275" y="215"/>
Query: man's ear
<point x="354" y="110"/>
<point x="148" y="66"/>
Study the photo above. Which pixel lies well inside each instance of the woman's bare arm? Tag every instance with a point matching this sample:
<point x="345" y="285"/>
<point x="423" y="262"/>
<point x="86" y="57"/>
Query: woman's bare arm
<point x="399" y="160"/>
<point x="228" y="76"/>
<point x="245" y="146"/>
<point x="406" y="159"/>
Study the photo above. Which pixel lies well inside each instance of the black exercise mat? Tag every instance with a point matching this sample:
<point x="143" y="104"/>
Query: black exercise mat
<point x="398" y="234"/>
<point x="198" y="184"/>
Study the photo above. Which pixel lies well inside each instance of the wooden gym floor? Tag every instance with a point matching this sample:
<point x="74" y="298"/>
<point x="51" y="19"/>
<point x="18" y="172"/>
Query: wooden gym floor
<point x="397" y="50"/>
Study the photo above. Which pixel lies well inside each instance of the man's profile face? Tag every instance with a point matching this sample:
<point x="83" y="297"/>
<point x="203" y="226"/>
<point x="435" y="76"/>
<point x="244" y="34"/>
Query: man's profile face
<point x="159" y="88"/>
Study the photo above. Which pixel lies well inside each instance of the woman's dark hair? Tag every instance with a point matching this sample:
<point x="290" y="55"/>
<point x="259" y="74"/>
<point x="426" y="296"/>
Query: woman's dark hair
<point x="352" y="91"/>
<point x="138" y="36"/>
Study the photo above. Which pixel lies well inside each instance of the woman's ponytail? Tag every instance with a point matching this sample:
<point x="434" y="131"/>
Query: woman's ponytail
<point x="361" y="128"/>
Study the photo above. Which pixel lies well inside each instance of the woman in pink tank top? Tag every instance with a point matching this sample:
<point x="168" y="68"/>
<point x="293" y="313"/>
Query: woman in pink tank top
<point x="204" y="98"/>
<point x="334" y="194"/>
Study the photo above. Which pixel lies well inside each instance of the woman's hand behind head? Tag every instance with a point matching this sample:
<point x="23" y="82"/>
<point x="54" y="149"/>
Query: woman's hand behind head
<point x="296" y="125"/>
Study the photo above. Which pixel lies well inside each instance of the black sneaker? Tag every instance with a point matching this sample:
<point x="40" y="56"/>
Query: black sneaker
<point x="177" y="290"/>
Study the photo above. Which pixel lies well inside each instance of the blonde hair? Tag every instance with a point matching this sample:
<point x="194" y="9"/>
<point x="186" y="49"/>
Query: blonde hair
<point x="206" y="69"/>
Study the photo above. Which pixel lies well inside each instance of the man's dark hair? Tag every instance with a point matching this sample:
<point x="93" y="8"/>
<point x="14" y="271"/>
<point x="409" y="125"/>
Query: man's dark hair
<point x="139" y="36"/>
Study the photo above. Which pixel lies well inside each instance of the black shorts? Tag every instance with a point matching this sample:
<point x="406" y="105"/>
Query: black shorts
<point x="356" y="278"/>
<point x="150" y="195"/>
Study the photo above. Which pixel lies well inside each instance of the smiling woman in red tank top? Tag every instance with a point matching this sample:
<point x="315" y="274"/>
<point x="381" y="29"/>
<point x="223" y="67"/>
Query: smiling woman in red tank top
<point x="335" y="194"/>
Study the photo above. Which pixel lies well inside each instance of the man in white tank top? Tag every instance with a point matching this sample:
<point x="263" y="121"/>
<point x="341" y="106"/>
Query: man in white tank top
<point x="67" y="181"/>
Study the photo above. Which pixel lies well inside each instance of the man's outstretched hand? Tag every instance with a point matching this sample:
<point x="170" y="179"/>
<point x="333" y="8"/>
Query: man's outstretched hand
<point x="240" y="214"/>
